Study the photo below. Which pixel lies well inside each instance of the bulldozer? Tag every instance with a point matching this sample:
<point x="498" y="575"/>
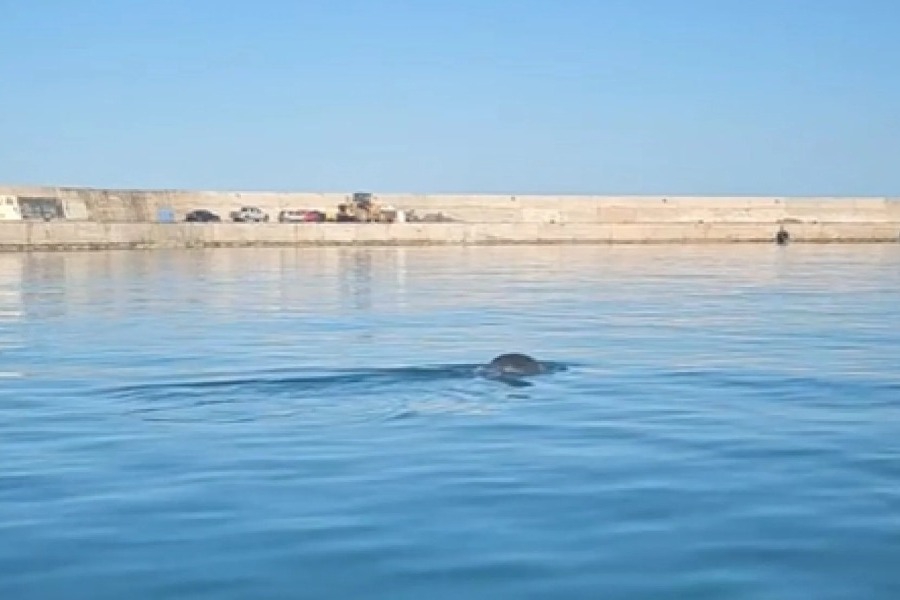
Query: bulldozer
<point x="362" y="209"/>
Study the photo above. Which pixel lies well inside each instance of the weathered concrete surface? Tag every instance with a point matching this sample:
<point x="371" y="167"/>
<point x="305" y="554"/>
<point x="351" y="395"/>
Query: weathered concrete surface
<point x="142" y="206"/>
<point x="23" y="236"/>
<point x="128" y="219"/>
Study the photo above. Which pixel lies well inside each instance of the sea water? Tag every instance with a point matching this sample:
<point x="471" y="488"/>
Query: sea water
<point x="309" y="423"/>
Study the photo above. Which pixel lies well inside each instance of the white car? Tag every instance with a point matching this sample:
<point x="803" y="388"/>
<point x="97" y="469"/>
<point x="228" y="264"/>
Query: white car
<point x="249" y="214"/>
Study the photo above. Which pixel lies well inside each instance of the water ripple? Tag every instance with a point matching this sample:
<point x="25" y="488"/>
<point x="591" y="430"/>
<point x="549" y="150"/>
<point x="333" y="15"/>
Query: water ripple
<point x="234" y="423"/>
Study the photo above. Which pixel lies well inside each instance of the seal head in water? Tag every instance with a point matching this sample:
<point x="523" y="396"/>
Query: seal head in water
<point x="515" y="364"/>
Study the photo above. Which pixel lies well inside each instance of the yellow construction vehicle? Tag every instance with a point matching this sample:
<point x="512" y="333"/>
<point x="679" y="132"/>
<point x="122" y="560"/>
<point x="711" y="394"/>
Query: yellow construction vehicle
<point x="362" y="209"/>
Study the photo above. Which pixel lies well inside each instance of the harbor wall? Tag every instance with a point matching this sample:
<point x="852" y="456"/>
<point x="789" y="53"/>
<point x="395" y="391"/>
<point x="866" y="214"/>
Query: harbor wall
<point x="145" y="206"/>
<point x="24" y="236"/>
<point x="99" y="218"/>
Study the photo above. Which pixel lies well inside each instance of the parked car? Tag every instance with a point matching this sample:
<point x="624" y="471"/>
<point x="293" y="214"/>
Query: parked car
<point x="291" y="216"/>
<point x="249" y="214"/>
<point x="202" y="216"/>
<point x="301" y="216"/>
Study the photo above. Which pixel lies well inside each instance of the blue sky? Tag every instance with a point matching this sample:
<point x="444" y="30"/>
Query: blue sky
<point x="792" y="97"/>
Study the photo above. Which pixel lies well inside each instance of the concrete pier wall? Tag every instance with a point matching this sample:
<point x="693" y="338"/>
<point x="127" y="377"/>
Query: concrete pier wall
<point x="93" y="236"/>
<point x="94" y="218"/>
<point x="144" y="206"/>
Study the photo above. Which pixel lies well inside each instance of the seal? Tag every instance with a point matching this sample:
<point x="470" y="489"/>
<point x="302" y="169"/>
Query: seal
<point x="515" y="369"/>
<point x="516" y="365"/>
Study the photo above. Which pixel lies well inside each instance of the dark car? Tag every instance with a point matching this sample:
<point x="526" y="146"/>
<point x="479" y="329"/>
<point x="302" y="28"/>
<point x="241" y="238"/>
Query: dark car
<point x="202" y="216"/>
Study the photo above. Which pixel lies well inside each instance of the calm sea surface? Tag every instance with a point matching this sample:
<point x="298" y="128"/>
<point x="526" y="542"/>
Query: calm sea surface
<point x="304" y="423"/>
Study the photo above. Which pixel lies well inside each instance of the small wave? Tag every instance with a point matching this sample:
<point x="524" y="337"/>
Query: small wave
<point x="400" y="392"/>
<point x="748" y="377"/>
<point x="788" y="386"/>
<point x="332" y="378"/>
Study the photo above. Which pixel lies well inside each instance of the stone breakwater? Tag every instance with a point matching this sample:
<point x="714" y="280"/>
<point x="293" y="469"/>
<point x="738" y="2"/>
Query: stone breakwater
<point x="82" y="218"/>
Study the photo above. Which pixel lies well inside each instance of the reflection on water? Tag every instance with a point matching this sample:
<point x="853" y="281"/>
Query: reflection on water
<point x="10" y="288"/>
<point x="356" y="284"/>
<point x="11" y="308"/>
<point x="330" y="276"/>
<point x="305" y="423"/>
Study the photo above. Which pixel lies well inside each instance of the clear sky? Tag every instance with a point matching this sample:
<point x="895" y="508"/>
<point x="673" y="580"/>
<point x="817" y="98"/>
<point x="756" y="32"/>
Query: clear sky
<point x="785" y="97"/>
